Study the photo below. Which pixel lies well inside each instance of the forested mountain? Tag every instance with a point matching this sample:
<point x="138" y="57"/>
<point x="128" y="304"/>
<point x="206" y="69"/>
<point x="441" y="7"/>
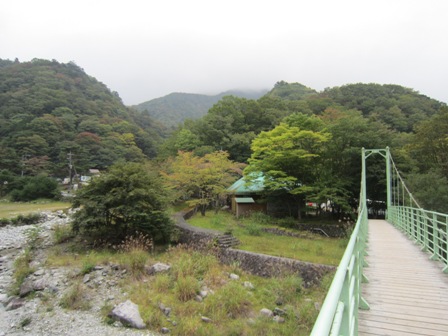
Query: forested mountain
<point x="347" y="118"/>
<point x="49" y="109"/>
<point x="173" y="109"/>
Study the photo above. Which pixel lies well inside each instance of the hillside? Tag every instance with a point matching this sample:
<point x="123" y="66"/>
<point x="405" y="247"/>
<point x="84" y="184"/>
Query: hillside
<point x="48" y="109"/>
<point x="176" y="107"/>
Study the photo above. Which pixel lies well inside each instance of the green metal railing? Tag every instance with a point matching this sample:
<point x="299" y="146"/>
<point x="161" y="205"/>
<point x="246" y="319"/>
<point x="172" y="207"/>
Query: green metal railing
<point x="339" y="312"/>
<point x="427" y="228"/>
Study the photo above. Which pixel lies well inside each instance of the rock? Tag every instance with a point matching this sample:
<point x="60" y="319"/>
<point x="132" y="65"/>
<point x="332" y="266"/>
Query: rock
<point x="203" y="293"/>
<point x="279" y="312"/>
<point x="128" y="314"/>
<point x="317" y="306"/>
<point x="165" y="330"/>
<point x="40" y="284"/>
<point x="234" y="276"/>
<point x="4" y="299"/>
<point x="86" y="278"/>
<point x="39" y="272"/>
<point x="266" y="312"/>
<point x="278" y="319"/>
<point x="97" y="268"/>
<point x="158" y="268"/>
<point x="118" y="324"/>
<point x="26" y="288"/>
<point x="248" y="285"/>
<point x="165" y="310"/>
<point x="15" y="303"/>
<point x="198" y="298"/>
<point x="206" y="319"/>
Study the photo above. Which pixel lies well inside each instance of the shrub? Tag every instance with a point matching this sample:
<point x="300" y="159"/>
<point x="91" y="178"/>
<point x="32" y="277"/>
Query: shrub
<point x="21" y="270"/>
<point x="76" y="298"/>
<point x="127" y="199"/>
<point x="33" y="187"/>
<point x="253" y="229"/>
<point x="62" y="233"/>
<point x="186" y="288"/>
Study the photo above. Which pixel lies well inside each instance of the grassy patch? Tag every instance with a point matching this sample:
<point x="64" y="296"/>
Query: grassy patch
<point x="76" y="298"/>
<point x="13" y="209"/>
<point x="232" y="307"/>
<point x="312" y="248"/>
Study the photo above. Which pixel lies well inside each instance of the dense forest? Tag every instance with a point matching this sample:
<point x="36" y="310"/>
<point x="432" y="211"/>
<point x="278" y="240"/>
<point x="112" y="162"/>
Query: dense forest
<point x="307" y="143"/>
<point x="49" y="109"/>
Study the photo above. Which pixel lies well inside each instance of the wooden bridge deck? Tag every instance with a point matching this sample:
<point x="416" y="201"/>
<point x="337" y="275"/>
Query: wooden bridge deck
<point x="407" y="292"/>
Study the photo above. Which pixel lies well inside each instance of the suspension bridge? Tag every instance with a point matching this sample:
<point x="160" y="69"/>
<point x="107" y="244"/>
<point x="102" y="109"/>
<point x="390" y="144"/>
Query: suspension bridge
<point x="393" y="277"/>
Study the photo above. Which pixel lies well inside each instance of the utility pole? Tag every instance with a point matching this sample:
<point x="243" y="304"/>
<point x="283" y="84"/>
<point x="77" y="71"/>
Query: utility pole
<point x="70" y="166"/>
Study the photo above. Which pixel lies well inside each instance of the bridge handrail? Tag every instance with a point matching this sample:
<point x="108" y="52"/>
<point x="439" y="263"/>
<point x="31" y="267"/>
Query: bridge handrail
<point x="427" y="228"/>
<point x="339" y="312"/>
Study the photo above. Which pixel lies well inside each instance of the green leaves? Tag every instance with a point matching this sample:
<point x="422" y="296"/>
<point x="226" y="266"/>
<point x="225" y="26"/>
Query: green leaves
<point x="127" y="199"/>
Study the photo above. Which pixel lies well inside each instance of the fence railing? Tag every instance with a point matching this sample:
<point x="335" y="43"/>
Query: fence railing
<point x="427" y="228"/>
<point x="339" y="312"/>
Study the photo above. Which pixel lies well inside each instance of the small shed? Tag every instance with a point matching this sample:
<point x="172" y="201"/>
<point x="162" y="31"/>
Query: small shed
<point x="246" y="196"/>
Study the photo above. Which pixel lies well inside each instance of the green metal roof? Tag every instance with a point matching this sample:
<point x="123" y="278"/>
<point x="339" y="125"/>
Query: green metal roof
<point x="246" y="200"/>
<point x="248" y="185"/>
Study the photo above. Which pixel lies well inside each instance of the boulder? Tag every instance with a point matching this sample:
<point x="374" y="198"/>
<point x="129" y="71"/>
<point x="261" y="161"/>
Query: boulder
<point x="128" y="314"/>
<point x="15" y="303"/>
<point x="158" y="268"/>
<point x="266" y="312"/>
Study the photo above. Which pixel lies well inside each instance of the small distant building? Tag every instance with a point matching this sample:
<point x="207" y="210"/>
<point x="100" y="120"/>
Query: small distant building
<point x="246" y="197"/>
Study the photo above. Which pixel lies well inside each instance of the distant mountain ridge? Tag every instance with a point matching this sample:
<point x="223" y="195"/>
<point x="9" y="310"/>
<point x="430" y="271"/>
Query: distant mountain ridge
<point x="176" y="107"/>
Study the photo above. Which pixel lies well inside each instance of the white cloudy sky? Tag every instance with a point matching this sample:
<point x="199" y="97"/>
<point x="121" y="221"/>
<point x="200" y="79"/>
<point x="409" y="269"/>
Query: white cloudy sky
<point x="145" y="49"/>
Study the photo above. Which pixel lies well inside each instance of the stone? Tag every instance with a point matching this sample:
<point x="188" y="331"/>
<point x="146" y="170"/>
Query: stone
<point x="203" y="293"/>
<point x="86" y="278"/>
<point x="266" y="312"/>
<point x="165" y="310"/>
<point x="279" y="312"/>
<point x="206" y="319"/>
<point x="198" y="298"/>
<point x="248" y="285"/>
<point x="40" y="284"/>
<point x="39" y="272"/>
<point x="3" y="299"/>
<point x="158" y="268"/>
<point x="128" y="314"/>
<point x="278" y="319"/>
<point x="234" y="276"/>
<point x="15" y="303"/>
<point x="165" y="330"/>
<point x="118" y="324"/>
<point x="26" y="288"/>
<point x="317" y="306"/>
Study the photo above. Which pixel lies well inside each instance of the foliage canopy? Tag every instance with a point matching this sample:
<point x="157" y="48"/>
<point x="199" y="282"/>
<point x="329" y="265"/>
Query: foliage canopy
<point x="129" y="198"/>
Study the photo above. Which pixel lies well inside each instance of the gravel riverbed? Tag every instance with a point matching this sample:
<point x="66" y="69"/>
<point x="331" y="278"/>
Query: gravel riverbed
<point x="40" y="313"/>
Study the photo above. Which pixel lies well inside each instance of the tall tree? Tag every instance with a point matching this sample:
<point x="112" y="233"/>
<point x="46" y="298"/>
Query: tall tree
<point x="201" y="180"/>
<point x="288" y="157"/>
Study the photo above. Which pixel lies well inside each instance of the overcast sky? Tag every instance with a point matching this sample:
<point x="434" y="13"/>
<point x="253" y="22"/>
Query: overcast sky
<point x="145" y="49"/>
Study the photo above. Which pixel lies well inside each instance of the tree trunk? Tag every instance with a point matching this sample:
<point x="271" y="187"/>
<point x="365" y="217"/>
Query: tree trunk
<point x="299" y="211"/>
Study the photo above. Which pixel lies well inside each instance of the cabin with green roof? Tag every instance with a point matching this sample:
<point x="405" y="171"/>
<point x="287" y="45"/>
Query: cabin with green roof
<point x="246" y="196"/>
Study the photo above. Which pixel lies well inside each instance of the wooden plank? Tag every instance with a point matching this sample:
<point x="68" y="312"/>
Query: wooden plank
<point x="407" y="293"/>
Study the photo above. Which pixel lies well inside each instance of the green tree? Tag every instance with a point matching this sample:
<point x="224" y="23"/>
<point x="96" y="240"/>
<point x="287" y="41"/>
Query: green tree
<point x="430" y="144"/>
<point x="129" y="198"/>
<point x="288" y="157"/>
<point x="201" y="180"/>
<point x="29" y="188"/>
